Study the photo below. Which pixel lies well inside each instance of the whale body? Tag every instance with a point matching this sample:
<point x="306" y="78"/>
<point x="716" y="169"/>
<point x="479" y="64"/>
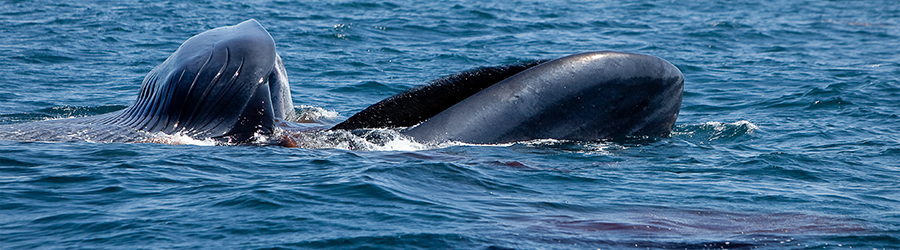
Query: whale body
<point x="229" y="84"/>
<point x="586" y="96"/>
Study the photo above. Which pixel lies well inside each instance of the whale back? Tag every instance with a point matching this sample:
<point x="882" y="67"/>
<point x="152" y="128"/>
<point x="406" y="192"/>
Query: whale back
<point x="587" y="96"/>
<point x="418" y="104"/>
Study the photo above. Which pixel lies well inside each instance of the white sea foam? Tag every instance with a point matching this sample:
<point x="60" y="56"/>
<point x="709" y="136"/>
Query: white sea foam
<point x="400" y="143"/>
<point x="315" y="114"/>
<point x="179" y="139"/>
<point x="721" y="126"/>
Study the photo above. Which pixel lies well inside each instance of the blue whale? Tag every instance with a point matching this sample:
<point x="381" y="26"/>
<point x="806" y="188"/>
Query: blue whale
<point x="229" y="84"/>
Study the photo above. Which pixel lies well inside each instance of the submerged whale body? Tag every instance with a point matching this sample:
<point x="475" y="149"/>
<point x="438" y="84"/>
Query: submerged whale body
<point x="230" y="85"/>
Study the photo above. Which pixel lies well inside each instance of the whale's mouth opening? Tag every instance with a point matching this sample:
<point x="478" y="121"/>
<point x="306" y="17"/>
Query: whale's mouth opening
<point x="280" y="92"/>
<point x="227" y="83"/>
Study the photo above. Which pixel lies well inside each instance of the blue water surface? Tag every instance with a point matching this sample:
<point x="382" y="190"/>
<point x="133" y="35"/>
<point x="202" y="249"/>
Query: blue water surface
<point x="787" y="136"/>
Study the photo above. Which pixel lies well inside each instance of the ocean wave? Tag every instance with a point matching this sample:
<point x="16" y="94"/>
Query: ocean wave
<point x="713" y="131"/>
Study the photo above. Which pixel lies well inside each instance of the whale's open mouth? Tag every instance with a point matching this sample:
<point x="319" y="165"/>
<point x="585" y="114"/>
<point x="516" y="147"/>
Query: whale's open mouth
<point x="226" y="83"/>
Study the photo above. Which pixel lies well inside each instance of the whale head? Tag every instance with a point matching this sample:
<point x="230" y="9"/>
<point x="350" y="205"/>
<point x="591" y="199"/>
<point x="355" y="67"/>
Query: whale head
<point x="226" y="83"/>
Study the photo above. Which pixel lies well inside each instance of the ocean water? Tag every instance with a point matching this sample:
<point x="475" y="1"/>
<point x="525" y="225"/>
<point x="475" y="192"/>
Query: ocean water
<point x="787" y="137"/>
